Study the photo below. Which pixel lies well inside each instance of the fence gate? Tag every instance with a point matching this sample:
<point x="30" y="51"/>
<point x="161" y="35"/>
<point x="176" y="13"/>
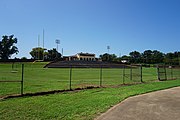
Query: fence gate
<point x="132" y="74"/>
<point x="161" y="69"/>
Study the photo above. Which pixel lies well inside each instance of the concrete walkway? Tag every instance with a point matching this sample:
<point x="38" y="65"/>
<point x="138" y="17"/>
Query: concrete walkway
<point x="159" y="105"/>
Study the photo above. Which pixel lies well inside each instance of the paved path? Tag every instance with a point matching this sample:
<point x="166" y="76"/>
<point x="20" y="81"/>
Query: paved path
<point x="159" y="105"/>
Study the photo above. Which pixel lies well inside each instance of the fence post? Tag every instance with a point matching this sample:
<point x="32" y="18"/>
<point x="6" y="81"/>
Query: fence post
<point x="70" y="78"/>
<point x="141" y="73"/>
<point x="13" y="66"/>
<point x="158" y="72"/>
<point x="131" y="73"/>
<point x="171" y="72"/>
<point x="124" y="74"/>
<point x="101" y="76"/>
<point x="22" y="79"/>
<point x="165" y="72"/>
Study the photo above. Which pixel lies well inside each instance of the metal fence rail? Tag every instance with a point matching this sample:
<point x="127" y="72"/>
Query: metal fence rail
<point x="132" y="73"/>
<point x="166" y="72"/>
<point x="32" y="78"/>
<point x="14" y="75"/>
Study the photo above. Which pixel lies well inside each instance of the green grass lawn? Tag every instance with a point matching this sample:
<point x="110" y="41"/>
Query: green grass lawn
<point x="39" y="79"/>
<point x="79" y="105"/>
<point x="82" y="105"/>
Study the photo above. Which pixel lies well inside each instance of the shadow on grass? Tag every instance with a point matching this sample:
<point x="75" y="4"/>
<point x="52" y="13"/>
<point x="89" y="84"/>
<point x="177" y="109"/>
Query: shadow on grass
<point x="72" y="90"/>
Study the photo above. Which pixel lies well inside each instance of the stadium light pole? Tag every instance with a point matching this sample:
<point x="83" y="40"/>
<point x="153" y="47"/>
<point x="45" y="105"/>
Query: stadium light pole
<point x="57" y="42"/>
<point x="62" y="52"/>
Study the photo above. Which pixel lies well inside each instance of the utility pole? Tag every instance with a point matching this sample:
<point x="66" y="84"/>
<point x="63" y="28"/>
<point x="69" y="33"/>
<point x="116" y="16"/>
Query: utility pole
<point x="62" y="52"/>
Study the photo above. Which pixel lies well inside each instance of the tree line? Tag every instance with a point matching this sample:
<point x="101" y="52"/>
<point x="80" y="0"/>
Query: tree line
<point x="8" y="48"/>
<point x="147" y="57"/>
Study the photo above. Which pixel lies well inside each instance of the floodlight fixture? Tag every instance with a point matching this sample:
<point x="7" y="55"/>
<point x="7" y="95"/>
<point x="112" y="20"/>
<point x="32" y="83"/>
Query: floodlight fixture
<point x="57" y="42"/>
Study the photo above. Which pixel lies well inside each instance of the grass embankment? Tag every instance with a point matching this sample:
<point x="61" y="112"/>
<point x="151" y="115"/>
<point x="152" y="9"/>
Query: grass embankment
<point x="86" y="104"/>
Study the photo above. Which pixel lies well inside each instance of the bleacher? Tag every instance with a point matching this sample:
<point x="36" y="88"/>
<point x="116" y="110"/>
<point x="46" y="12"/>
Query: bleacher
<point x="83" y="64"/>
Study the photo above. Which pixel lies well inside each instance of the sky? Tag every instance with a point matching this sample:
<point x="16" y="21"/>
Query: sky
<point x="91" y="25"/>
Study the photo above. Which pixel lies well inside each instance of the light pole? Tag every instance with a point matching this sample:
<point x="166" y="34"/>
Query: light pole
<point x="57" y="42"/>
<point x="62" y="53"/>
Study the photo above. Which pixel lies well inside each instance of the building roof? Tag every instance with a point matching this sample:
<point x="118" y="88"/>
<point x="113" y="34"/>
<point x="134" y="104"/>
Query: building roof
<point x="86" y="54"/>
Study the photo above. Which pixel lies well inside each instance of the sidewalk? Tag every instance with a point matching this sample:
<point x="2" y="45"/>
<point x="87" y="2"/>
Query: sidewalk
<point x="159" y="105"/>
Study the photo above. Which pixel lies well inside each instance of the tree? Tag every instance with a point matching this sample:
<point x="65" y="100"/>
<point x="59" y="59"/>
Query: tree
<point x="104" y="57"/>
<point x="108" y="57"/>
<point x="172" y="58"/>
<point x="147" y="56"/>
<point x="24" y="58"/>
<point x="37" y="53"/>
<point x="135" y="57"/>
<point x="157" y="57"/>
<point x="53" y="54"/>
<point x="177" y="58"/>
<point x="152" y="57"/>
<point x="7" y="47"/>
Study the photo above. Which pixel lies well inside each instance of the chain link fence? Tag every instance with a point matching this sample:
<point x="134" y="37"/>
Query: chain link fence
<point x="11" y="78"/>
<point x="166" y="72"/>
<point x="16" y="78"/>
<point x="132" y="74"/>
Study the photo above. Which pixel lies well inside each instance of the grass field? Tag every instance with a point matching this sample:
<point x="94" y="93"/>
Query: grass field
<point x="82" y="105"/>
<point x="39" y="79"/>
<point x="77" y="105"/>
